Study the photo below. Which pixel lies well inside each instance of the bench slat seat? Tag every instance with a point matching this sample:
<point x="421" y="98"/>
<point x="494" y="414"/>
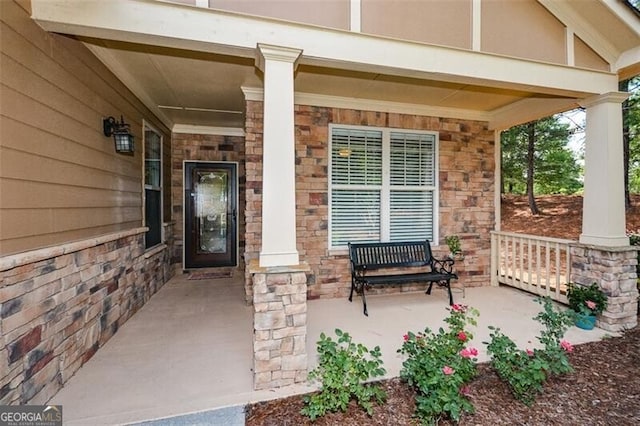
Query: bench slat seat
<point x="387" y="262"/>
<point x="401" y="278"/>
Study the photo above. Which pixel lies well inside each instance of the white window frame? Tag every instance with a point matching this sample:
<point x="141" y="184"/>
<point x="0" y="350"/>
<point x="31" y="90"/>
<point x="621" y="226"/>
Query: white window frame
<point x="148" y="126"/>
<point x="385" y="191"/>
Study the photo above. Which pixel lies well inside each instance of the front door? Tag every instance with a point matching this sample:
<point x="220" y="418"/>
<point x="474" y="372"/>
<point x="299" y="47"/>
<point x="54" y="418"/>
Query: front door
<point x="210" y="224"/>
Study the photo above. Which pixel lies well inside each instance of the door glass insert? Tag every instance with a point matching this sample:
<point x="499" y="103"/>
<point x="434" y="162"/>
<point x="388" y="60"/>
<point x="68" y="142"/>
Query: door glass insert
<point x="211" y="210"/>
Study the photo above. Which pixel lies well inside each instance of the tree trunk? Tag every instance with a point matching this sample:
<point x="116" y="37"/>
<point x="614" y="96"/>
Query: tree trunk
<point x="531" y="137"/>
<point x="624" y="87"/>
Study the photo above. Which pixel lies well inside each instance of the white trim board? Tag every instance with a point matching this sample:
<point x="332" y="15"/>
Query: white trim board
<point x="207" y="130"/>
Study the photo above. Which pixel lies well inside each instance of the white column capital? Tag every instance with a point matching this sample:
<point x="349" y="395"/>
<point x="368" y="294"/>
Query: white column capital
<point x="252" y="93"/>
<point x="611" y="97"/>
<point x="267" y="52"/>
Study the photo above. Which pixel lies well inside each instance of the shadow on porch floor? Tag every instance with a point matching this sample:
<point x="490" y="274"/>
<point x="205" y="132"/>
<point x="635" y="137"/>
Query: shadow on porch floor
<point x="189" y="349"/>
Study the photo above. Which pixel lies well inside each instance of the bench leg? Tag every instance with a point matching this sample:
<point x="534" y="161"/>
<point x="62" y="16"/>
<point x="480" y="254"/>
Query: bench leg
<point x="429" y="289"/>
<point x="364" y="300"/>
<point x="352" y="287"/>
<point x="448" y="285"/>
<point x="450" y="294"/>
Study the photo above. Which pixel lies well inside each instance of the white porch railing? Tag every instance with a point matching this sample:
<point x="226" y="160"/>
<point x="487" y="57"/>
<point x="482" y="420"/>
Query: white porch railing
<point x="539" y="265"/>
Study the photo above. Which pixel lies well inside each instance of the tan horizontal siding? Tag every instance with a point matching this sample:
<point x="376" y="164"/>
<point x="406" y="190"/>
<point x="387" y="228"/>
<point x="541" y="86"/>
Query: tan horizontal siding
<point x="60" y="196"/>
<point x="60" y="178"/>
<point x="53" y="171"/>
<point x="23" y="137"/>
<point x="17" y="223"/>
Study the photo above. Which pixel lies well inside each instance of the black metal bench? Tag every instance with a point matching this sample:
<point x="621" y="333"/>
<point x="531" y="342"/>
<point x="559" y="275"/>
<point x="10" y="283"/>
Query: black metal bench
<point x="416" y="255"/>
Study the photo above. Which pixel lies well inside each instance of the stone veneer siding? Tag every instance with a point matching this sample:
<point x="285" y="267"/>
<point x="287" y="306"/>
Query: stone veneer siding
<point x="280" y="327"/>
<point x="195" y="147"/>
<point x="614" y="269"/>
<point x="59" y="305"/>
<point x="467" y="185"/>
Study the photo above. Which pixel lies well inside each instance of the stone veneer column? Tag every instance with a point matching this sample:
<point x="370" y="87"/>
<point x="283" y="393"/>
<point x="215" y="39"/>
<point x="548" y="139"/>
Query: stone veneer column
<point x="614" y="269"/>
<point x="280" y="325"/>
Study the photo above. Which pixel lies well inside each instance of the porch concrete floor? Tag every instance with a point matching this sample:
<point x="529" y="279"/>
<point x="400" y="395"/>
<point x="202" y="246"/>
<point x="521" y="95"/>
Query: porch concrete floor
<point x="189" y="349"/>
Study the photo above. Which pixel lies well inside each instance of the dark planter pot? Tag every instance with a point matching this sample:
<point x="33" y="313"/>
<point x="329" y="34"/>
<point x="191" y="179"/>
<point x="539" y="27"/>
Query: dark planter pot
<point x="585" y="322"/>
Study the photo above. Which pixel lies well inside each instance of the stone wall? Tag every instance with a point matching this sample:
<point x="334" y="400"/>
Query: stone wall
<point x="280" y="327"/>
<point x="59" y="305"/>
<point x="614" y="270"/>
<point x="196" y="147"/>
<point x="467" y="184"/>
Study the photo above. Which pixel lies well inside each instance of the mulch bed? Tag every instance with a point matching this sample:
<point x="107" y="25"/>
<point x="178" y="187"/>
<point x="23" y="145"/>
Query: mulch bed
<point x="604" y="389"/>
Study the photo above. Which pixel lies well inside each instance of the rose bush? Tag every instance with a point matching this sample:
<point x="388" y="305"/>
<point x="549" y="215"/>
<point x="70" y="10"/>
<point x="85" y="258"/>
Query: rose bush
<point x="526" y="371"/>
<point x="439" y="366"/>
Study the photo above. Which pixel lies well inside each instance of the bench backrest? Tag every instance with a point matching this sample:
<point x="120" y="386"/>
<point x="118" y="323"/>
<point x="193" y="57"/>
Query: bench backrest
<point x="389" y="255"/>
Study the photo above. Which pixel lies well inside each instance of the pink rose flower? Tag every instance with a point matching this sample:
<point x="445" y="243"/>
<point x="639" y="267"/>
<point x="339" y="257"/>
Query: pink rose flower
<point x="405" y="337"/>
<point x="468" y="352"/>
<point x="458" y="308"/>
<point x="590" y="304"/>
<point x="465" y="390"/>
<point x="566" y="346"/>
<point x="462" y="336"/>
<point x="447" y="370"/>
<point x="529" y="352"/>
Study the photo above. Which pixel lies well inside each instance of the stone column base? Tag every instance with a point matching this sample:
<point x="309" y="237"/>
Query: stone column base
<point x="280" y="325"/>
<point x="614" y="270"/>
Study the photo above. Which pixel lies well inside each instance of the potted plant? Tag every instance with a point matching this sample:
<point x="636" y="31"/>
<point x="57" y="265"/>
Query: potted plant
<point x="455" y="250"/>
<point x="587" y="302"/>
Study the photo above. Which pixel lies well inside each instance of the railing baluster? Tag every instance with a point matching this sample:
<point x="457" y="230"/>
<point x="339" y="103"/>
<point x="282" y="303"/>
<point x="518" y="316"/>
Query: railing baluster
<point x="530" y="267"/>
<point x="508" y="253"/>
<point x="521" y="261"/>
<point x="513" y="262"/>
<point x="557" y="289"/>
<point x="538" y="266"/>
<point x="547" y="261"/>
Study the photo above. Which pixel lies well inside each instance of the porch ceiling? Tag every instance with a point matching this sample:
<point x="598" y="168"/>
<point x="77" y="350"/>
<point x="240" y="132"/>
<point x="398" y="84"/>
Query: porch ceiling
<point x="190" y="72"/>
<point x="203" y="89"/>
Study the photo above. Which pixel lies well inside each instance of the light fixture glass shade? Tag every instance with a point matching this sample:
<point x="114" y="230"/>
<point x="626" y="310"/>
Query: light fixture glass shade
<point x="122" y="137"/>
<point x="124" y="142"/>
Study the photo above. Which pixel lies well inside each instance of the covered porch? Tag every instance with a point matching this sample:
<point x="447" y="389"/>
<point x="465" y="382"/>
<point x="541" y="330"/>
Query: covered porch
<point x="276" y="87"/>
<point x="188" y="349"/>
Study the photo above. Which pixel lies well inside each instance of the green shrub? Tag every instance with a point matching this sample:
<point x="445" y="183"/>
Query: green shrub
<point x="343" y="369"/>
<point x="526" y="371"/>
<point x="581" y="296"/>
<point x="439" y="367"/>
<point x="523" y="371"/>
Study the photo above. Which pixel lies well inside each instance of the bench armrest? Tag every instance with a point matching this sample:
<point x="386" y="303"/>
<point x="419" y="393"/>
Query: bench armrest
<point x="443" y="265"/>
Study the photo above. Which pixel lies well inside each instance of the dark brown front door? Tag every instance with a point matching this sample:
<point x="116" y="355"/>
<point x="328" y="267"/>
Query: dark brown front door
<point x="210" y="226"/>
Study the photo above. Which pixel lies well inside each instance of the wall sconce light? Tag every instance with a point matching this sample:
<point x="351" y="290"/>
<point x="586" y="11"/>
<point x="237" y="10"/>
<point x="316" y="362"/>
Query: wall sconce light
<point x="122" y="137"/>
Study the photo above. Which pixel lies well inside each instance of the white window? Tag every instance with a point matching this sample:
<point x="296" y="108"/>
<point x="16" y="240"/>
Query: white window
<point x="382" y="185"/>
<point x="152" y="186"/>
